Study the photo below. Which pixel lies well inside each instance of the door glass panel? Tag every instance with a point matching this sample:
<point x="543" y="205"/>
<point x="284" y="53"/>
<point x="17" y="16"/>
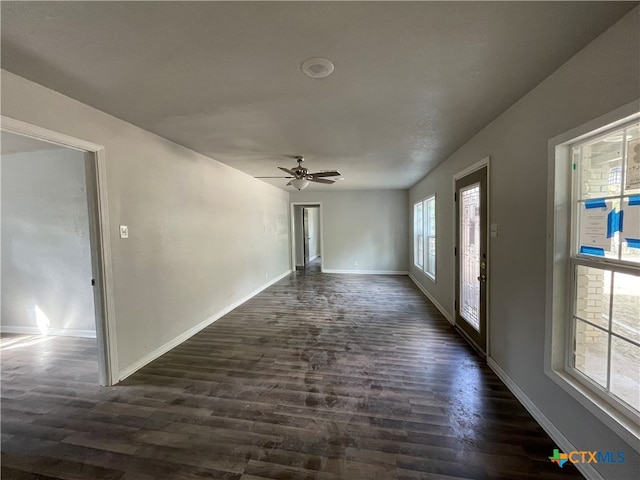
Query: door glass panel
<point x="470" y="255"/>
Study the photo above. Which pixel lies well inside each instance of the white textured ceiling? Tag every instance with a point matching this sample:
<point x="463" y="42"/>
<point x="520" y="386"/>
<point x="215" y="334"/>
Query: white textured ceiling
<point x="412" y="82"/>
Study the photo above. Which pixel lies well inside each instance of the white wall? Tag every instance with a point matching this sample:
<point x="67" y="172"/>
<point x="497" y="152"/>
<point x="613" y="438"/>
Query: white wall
<point x="363" y="226"/>
<point x="599" y="79"/>
<point x="46" y="255"/>
<point x="202" y="236"/>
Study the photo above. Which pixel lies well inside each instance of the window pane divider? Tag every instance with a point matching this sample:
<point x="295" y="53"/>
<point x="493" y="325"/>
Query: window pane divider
<point x="626" y="339"/>
<point x="599" y="327"/>
<point x="613" y="281"/>
<point x="607" y="197"/>
<point x="617" y="266"/>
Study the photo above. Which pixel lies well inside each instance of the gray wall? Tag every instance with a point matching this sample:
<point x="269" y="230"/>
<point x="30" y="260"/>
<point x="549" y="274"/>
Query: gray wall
<point x="202" y="235"/>
<point x="599" y="79"/>
<point x="46" y="255"/>
<point x="363" y="226"/>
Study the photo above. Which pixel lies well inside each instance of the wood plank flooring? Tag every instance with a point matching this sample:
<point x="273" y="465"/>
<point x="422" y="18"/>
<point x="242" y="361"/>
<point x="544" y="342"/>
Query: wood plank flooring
<point x="318" y="377"/>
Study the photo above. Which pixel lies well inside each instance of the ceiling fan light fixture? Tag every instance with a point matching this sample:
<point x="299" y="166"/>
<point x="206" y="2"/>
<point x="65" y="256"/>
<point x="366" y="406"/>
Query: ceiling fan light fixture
<point x="317" y="67"/>
<point x="299" y="183"/>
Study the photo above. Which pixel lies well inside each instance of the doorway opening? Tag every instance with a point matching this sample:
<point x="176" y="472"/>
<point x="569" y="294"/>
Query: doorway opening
<point x="471" y="254"/>
<point x="306" y="235"/>
<point x="55" y="257"/>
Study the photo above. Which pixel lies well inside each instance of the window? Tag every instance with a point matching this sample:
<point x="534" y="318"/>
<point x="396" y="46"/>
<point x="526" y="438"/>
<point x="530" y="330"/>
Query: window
<point x="424" y="236"/>
<point x="430" y="221"/>
<point x="418" y="235"/>
<point x="593" y="274"/>
<point x="605" y="264"/>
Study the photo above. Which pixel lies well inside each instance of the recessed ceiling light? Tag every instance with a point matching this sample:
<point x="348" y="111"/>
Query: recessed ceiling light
<point x="317" y="67"/>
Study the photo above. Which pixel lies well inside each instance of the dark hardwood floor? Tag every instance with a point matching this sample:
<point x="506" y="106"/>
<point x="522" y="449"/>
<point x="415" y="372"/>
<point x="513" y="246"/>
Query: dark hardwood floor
<point x="318" y="377"/>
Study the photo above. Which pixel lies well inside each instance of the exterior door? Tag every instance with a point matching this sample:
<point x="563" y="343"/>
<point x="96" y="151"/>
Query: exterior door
<point x="305" y="234"/>
<point x="471" y="257"/>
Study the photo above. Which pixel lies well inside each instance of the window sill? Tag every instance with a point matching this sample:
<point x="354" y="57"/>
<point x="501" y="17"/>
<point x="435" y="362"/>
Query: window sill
<point x="625" y="427"/>
<point x="426" y="274"/>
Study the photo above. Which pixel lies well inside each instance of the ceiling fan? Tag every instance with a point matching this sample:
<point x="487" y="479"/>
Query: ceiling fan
<point x="301" y="176"/>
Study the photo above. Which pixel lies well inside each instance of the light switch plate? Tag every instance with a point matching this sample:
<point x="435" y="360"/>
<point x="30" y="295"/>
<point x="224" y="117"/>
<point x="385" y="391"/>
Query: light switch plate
<point x="124" y="231"/>
<point x="494" y="230"/>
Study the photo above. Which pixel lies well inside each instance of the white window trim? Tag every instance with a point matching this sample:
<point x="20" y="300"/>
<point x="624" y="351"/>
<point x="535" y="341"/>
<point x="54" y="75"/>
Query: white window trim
<point x="423" y="268"/>
<point x="558" y="293"/>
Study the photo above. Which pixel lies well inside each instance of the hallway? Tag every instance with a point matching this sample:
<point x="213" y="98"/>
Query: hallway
<point x="318" y="377"/>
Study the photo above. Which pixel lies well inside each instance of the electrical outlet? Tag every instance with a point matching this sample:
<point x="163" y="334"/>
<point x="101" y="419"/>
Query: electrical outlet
<point x="356" y="263"/>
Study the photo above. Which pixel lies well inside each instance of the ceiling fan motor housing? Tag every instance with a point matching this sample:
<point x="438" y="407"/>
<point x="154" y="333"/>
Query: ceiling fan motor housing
<point x="302" y="177"/>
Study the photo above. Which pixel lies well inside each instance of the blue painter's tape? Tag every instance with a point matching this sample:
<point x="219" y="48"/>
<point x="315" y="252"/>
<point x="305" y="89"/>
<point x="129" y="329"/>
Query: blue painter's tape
<point x="611" y="218"/>
<point x="633" y="242"/>
<point x="614" y="223"/>
<point x="597" y="203"/>
<point x="634" y="201"/>
<point x="621" y="220"/>
<point x="592" y="251"/>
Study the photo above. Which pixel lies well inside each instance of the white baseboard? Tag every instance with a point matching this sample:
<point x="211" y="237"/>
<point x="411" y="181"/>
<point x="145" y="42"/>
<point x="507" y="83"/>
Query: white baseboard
<point x="59" y="332"/>
<point x="366" y="272"/>
<point x="444" y="313"/>
<point x="563" y="443"/>
<point x="134" y="367"/>
<point x="311" y="259"/>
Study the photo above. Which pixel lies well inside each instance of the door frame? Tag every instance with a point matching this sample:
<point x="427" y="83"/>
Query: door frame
<point x="101" y="261"/>
<point x="485" y="162"/>
<point x="292" y="231"/>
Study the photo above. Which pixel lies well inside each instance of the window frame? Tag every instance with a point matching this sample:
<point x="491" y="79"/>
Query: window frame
<point x="424" y="236"/>
<point x="430" y="270"/>
<point x="577" y="258"/>
<point x="562" y="261"/>
<point x="418" y="237"/>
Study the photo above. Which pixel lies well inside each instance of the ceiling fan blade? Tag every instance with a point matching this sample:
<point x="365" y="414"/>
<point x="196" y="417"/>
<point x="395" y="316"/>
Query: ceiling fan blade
<point x="326" y="173"/>
<point x="286" y="170"/>
<point x="320" y="180"/>
<point x="274" y="177"/>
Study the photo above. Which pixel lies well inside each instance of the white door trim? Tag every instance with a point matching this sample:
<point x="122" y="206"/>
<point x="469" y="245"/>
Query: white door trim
<point x="100" y="241"/>
<point x="485" y="162"/>
<point x="293" y="236"/>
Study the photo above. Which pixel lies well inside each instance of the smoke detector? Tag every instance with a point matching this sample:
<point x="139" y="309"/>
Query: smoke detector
<point x="317" y="67"/>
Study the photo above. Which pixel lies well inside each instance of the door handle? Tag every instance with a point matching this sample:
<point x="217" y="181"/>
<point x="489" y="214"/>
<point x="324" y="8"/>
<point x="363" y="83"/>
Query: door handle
<point x="482" y="278"/>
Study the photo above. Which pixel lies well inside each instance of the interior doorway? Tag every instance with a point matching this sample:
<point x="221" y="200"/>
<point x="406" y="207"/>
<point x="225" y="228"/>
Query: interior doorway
<point x="471" y="253"/>
<point x="55" y="255"/>
<point x="306" y="235"/>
